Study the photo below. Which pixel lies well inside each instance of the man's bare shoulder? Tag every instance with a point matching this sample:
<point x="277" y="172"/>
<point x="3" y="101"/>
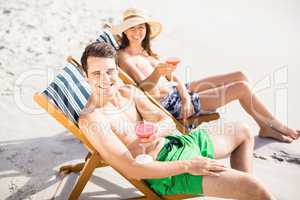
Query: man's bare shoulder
<point x="88" y="116"/>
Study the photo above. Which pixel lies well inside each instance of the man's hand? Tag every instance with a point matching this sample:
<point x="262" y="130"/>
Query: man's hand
<point x="149" y="141"/>
<point x="187" y="108"/>
<point x="205" y="167"/>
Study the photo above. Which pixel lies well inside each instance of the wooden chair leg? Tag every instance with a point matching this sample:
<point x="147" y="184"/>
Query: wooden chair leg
<point x="87" y="156"/>
<point x="91" y="164"/>
<point x="66" y="169"/>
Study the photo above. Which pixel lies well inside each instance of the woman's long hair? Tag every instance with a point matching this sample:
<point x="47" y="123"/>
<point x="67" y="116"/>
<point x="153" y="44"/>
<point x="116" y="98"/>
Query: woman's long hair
<point x="145" y="43"/>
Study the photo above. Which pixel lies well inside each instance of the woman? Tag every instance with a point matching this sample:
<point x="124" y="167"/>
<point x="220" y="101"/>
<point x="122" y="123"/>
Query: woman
<point x="184" y="100"/>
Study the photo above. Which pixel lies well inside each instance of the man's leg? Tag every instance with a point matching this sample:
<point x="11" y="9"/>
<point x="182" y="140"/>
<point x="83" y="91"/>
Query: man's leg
<point x="269" y="125"/>
<point x="234" y="140"/>
<point x="216" y="81"/>
<point x="235" y="184"/>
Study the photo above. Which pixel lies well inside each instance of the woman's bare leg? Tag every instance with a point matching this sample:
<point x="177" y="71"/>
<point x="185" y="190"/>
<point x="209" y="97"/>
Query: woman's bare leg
<point x="236" y="140"/>
<point x="216" y="81"/>
<point x="269" y="125"/>
<point x="235" y="184"/>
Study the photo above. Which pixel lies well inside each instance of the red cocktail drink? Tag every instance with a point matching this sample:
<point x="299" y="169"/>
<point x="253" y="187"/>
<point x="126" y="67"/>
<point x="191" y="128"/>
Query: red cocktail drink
<point x="173" y="61"/>
<point x="144" y="131"/>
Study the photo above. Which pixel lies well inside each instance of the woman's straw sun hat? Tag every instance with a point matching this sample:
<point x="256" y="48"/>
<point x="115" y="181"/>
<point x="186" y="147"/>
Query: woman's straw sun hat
<point x="133" y="17"/>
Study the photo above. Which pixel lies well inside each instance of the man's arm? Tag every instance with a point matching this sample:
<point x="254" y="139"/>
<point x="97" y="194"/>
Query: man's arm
<point x="116" y="154"/>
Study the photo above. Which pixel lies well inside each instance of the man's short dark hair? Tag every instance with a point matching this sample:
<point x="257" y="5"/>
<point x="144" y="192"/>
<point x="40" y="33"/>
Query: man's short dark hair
<point x="97" y="49"/>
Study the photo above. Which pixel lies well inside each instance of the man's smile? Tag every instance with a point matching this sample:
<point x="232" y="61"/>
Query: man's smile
<point x="106" y="86"/>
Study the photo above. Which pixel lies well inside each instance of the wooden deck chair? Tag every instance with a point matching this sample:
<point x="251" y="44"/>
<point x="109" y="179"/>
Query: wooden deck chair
<point x="107" y="37"/>
<point x="182" y="125"/>
<point x="185" y="124"/>
<point x="63" y="99"/>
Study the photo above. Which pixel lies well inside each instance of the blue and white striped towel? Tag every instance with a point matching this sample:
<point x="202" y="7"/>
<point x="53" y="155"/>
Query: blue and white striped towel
<point x="69" y="91"/>
<point x="106" y="36"/>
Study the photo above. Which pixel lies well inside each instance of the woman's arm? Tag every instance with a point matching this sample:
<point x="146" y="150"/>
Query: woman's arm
<point x="187" y="109"/>
<point x="146" y="83"/>
<point x="182" y="90"/>
<point x="150" y="112"/>
<point x="127" y="64"/>
<point x="150" y="82"/>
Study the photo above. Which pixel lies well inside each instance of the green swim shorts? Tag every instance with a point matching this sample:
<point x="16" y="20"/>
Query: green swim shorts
<point x="183" y="147"/>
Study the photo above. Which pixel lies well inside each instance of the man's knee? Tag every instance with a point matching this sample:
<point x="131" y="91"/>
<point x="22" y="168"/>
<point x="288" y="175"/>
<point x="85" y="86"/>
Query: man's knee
<point x="244" y="131"/>
<point x="254" y="188"/>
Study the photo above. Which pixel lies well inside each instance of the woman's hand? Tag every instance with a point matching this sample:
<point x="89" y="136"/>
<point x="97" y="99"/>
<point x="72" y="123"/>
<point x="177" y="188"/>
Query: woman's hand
<point x="205" y="167"/>
<point x="163" y="69"/>
<point x="187" y="108"/>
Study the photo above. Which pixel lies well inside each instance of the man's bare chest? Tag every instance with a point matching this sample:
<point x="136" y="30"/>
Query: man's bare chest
<point x="123" y="121"/>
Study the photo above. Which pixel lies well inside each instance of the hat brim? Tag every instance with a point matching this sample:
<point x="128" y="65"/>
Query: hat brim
<point x="155" y="26"/>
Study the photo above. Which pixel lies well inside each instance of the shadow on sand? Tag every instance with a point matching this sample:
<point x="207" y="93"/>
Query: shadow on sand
<point x="36" y="162"/>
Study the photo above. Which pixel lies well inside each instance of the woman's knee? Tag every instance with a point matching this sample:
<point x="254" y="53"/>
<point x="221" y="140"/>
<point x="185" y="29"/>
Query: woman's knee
<point x="241" y="89"/>
<point x="243" y="85"/>
<point x="241" y="76"/>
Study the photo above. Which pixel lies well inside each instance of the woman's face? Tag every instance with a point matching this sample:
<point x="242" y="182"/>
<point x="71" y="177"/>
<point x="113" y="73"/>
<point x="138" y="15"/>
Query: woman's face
<point x="136" y="34"/>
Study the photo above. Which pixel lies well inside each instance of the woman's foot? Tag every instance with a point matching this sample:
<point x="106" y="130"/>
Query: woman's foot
<point x="283" y="129"/>
<point x="292" y="133"/>
<point x="271" y="132"/>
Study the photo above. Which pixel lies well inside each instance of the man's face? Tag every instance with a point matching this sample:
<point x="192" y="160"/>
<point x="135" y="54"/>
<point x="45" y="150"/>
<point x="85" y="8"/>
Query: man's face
<point x="102" y="76"/>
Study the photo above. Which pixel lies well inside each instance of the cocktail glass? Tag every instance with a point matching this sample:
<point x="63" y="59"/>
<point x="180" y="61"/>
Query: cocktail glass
<point x="173" y="61"/>
<point x="144" y="130"/>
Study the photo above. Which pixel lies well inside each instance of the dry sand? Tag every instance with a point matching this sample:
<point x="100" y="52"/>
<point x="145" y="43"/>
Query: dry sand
<point x="259" y="37"/>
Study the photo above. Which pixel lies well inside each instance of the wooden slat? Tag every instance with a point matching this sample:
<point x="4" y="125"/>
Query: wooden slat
<point x="200" y="119"/>
<point x="91" y="164"/>
<point x="62" y="119"/>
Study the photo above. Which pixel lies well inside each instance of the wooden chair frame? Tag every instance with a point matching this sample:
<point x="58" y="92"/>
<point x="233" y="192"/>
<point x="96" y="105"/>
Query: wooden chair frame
<point x="94" y="159"/>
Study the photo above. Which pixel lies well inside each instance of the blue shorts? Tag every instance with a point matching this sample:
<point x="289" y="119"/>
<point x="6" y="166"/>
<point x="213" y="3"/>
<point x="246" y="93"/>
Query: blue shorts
<point x="172" y="102"/>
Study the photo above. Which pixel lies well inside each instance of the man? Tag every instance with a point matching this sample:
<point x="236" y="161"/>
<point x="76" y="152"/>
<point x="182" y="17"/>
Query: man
<point x="183" y="164"/>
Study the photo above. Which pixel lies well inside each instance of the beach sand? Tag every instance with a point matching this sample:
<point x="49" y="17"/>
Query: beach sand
<point x="260" y="38"/>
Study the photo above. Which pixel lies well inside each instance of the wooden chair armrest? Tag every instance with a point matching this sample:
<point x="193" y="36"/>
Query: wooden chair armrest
<point x="197" y="120"/>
